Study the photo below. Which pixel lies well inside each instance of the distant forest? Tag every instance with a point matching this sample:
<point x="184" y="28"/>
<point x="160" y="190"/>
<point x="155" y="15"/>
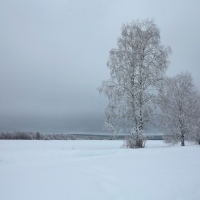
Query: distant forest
<point x="18" y="135"/>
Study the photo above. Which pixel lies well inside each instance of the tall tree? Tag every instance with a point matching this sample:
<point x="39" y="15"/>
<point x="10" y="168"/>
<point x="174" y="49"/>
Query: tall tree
<point x="136" y="66"/>
<point x="179" y="104"/>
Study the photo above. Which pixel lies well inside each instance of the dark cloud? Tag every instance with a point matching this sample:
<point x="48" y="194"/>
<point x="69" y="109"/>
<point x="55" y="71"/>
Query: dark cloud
<point x="52" y="123"/>
<point x="53" y="56"/>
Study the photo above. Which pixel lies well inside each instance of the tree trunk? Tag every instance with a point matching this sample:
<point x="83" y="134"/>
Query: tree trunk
<point x="182" y="139"/>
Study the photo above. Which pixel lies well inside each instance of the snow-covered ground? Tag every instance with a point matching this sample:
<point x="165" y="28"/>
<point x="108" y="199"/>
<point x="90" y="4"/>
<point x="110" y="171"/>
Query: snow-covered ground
<point x="98" y="170"/>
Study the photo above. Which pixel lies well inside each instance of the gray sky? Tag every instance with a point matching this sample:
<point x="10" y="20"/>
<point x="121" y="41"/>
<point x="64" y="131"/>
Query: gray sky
<point x="53" y="56"/>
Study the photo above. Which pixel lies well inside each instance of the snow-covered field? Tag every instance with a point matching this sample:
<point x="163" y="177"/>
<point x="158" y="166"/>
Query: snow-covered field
<point x="98" y="170"/>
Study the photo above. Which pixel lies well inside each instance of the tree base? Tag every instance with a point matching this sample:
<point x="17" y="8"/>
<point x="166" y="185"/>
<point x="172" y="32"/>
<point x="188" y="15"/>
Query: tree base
<point x="135" y="141"/>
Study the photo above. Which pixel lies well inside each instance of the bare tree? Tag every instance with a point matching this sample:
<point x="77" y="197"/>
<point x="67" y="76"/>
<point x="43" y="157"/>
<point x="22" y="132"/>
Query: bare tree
<point x="179" y="102"/>
<point x="195" y="136"/>
<point x="136" y="67"/>
<point x="195" y="130"/>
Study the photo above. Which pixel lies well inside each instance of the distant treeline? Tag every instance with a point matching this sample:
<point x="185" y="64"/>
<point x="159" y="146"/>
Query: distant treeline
<point x="18" y="135"/>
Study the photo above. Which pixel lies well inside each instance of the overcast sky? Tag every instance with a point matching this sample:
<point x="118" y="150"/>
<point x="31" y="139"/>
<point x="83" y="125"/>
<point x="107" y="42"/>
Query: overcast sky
<point x="53" y="56"/>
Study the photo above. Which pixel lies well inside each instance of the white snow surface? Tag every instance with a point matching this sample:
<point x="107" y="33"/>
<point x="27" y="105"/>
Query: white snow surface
<point x="98" y="170"/>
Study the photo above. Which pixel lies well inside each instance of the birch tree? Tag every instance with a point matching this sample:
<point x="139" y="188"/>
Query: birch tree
<point x="136" y="66"/>
<point x="179" y="104"/>
<point x="194" y="135"/>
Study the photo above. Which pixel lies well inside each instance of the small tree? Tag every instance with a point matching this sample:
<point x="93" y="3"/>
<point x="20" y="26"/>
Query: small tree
<point x="136" y="67"/>
<point x="178" y="100"/>
<point x="38" y="137"/>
